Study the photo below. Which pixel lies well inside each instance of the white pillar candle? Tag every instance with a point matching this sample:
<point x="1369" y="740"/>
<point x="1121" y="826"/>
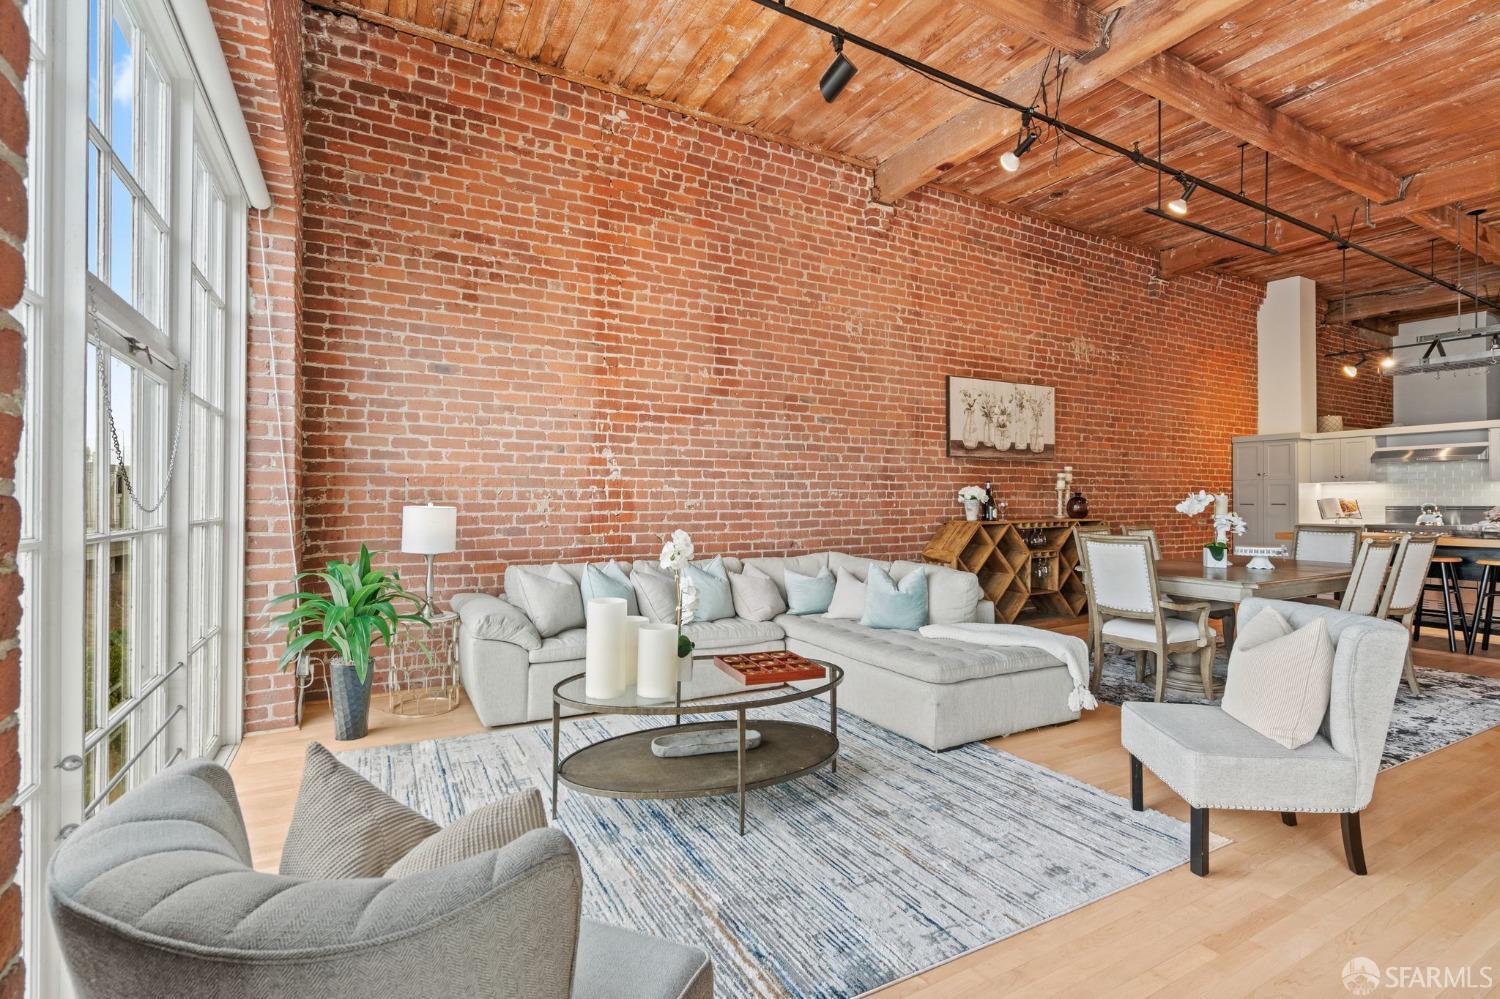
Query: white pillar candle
<point x="656" y="661"/>
<point x="630" y="640"/>
<point x="1221" y="504"/>
<point x="603" y="672"/>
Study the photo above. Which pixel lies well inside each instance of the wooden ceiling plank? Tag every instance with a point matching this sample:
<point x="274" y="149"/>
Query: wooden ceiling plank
<point x="485" y="21"/>
<point x="562" y="31"/>
<point x="514" y="16"/>
<point x="1144" y="28"/>
<point x="1190" y="89"/>
<point x="738" y="34"/>
<point x="596" y="28"/>
<point x="534" y="33"/>
<point x="1389" y="301"/>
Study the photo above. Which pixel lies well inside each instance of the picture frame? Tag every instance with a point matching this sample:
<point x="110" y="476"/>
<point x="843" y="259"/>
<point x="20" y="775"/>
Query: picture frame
<point x="994" y="419"/>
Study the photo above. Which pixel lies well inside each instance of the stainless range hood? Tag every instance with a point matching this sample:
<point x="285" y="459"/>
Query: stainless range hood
<point x="1411" y="454"/>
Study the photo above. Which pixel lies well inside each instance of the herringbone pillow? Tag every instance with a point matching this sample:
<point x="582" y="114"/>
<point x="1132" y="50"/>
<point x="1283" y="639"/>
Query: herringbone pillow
<point x="1280" y="680"/>
<point x="345" y="827"/>
<point x="482" y="830"/>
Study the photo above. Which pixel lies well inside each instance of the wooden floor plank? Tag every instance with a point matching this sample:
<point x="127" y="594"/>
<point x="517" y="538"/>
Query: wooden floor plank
<point x="1279" y="914"/>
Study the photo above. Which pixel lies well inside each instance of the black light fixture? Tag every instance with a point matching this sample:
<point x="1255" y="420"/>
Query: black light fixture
<point x="1352" y="370"/>
<point x="1179" y="206"/>
<point x="1010" y="161"/>
<point x="839" y="72"/>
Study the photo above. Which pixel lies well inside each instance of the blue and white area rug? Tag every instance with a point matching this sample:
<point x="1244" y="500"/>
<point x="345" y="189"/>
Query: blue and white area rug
<point x="1449" y="708"/>
<point x="843" y="883"/>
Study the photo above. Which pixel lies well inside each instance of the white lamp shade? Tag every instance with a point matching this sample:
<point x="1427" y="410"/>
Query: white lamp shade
<point x="429" y="530"/>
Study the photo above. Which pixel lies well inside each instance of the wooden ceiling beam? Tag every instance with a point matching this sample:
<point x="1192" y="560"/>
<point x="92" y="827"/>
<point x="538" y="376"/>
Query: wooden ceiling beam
<point x="1144" y="28"/>
<point x="1389" y="301"/>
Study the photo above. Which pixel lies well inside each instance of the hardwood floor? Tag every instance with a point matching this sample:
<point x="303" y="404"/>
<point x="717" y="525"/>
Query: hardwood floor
<point x="1279" y="914"/>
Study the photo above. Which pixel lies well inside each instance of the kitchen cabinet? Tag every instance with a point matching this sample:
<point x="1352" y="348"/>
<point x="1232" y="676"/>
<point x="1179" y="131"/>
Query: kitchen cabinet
<point x="1266" y="473"/>
<point x="1341" y="459"/>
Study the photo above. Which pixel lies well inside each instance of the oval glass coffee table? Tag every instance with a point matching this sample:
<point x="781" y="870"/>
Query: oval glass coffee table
<point x="623" y="766"/>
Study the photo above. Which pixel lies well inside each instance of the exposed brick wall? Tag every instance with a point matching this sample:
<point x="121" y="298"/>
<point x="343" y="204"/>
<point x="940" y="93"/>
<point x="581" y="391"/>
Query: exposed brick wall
<point x="586" y="321"/>
<point x="15" y="52"/>
<point x="263" y="46"/>
<point x="1364" y="401"/>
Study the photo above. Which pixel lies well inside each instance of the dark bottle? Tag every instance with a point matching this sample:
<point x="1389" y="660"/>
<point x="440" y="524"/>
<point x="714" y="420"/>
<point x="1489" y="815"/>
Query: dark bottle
<point x="989" y="503"/>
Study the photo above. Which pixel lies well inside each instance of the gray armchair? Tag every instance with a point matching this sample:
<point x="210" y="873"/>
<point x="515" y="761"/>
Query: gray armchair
<point x="156" y="896"/>
<point x="1213" y="761"/>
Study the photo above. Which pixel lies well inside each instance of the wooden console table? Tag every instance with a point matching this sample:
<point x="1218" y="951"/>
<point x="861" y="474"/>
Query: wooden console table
<point x="1017" y="562"/>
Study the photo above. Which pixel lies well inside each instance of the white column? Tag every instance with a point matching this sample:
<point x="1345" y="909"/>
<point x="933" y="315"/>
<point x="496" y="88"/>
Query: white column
<point x="1287" y="355"/>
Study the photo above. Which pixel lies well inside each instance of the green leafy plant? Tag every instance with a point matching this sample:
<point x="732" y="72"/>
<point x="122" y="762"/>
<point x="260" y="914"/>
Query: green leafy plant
<point x="359" y="609"/>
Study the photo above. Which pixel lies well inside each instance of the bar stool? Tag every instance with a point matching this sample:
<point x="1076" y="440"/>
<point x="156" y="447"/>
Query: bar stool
<point x="1444" y="577"/>
<point x="1484" y="601"/>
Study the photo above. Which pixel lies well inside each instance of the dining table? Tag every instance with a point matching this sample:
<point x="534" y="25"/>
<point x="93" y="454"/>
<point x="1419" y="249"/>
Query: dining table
<point x="1288" y="579"/>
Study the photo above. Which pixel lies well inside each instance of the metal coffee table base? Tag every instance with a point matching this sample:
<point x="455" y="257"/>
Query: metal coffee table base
<point x="625" y="767"/>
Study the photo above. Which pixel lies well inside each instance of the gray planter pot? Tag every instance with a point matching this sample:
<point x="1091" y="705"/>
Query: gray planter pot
<point x="351" y="699"/>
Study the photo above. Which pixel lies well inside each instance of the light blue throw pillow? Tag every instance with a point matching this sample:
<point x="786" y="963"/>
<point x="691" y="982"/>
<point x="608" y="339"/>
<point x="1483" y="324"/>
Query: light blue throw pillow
<point x="608" y="581"/>
<point x="809" y="594"/>
<point x="711" y="580"/>
<point x="887" y="605"/>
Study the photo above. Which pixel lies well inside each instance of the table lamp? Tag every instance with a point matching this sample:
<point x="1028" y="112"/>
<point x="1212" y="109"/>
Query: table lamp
<point x="427" y="531"/>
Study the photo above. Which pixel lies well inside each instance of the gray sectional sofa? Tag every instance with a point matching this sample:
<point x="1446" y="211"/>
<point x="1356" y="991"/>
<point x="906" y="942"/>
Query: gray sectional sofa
<point x="937" y="692"/>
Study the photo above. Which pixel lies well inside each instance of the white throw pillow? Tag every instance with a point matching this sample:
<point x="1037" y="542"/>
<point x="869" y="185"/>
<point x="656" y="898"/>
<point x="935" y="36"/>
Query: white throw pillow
<point x="1280" y="680"/>
<point x="551" y="600"/>
<point x="756" y="597"/>
<point x="656" y="592"/>
<point x="952" y="594"/>
<point x="848" y="596"/>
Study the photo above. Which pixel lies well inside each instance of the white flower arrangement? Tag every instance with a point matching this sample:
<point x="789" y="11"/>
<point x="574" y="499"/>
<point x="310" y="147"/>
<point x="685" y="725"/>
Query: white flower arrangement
<point x="1229" y="523"/>
<point x="974" y="493"/>
<point x="1196" y="503"/>
<point x="677" y="551"/>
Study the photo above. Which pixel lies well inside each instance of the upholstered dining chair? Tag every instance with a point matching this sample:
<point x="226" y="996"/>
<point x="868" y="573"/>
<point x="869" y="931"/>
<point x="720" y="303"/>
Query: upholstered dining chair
<point x="1127" y="609"/>
<point x="1325" y="543"/>
<point x="1367" y="583"/>
<point x="1218" y="610"/>
<point x="1403" y="594"/>
<point x="1211" y="760"/>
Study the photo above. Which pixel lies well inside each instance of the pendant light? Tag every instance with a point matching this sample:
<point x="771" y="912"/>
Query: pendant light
<point x="838" y="74"/>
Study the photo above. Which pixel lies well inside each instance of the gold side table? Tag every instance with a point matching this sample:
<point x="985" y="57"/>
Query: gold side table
<point x="423" y="677"/>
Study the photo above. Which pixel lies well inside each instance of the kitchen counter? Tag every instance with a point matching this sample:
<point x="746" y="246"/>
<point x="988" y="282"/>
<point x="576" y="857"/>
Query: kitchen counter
<point x="1444" y="541"/>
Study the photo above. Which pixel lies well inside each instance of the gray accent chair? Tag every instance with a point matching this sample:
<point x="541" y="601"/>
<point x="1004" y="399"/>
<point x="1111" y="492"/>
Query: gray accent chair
<point x="1212" y="761"/>
<point x="156" y="897"/>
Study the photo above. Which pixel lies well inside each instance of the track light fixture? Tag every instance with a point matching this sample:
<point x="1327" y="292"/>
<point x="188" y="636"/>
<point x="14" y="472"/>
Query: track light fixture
<point x="1179" y="206"/>
<point x="838" y="74"/>
<point x="1352" y="370"/>
<point x="1010" y="161"/>
<point x="1387" y="362"/>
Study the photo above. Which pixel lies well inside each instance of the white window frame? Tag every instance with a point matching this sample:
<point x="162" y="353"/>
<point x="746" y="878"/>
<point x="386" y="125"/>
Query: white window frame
<point x="53" y="697"/>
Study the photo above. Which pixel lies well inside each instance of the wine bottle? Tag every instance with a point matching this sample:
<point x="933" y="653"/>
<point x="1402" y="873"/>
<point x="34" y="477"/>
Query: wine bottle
<point x="989" y="503"/>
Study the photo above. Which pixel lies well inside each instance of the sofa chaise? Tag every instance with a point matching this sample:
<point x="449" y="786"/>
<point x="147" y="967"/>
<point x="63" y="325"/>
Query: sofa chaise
<point x="937" y="692"/>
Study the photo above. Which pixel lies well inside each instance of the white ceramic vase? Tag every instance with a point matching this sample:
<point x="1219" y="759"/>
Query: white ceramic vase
<point x="971" y="509"/>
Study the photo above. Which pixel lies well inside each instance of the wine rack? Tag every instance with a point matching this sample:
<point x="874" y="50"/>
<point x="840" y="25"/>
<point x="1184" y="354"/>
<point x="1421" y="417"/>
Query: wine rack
<point x="1018" y="562"/>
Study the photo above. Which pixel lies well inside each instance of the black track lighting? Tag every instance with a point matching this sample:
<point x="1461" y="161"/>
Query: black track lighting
<point x="1179" y="206"/>
<point x="1352" y="370"/>
<point x="838" y="74"/>
<point x="1010" y="162"/>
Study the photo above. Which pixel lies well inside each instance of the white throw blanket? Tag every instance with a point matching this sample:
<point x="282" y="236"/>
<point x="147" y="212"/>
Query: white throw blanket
<point x="1074" y="652"/>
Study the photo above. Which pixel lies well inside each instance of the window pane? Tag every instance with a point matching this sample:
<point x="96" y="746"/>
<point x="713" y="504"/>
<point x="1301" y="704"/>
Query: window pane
<point x="26" y="463"/>
<point x="35" y="190"/>
<point x="122" y="92"/>
<point x="94" y="113"/>
<point x="90" y="637"/>
<point x="121" y="238"/>
<point x="119" y="752"/>
<point x="91" y="455"/>
<point x="122" y="409"/>
<point x="121" y="626"/>
<point x="153" y="171"/>
<point x="95" y="214"/>
<point x="151" y="265"/>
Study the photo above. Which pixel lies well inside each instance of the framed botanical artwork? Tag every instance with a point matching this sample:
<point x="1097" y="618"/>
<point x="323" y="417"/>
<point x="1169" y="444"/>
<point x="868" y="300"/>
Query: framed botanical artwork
<point x="988" y="419"/>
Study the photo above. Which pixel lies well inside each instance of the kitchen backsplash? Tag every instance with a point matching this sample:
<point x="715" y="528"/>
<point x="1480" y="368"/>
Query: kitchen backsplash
<point x="1449" y="483"/>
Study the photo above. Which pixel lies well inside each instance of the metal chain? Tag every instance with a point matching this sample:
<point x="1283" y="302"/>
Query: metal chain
<point x="114" y="436"/>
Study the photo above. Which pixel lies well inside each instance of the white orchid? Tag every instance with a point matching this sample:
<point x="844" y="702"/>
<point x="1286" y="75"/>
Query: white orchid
<point x="1196" y="503"/>
<point x="1229" y="523"/>
<point x="677" y="551"/>
<point x="975" y="493"/>
<point x="689" y="601"/>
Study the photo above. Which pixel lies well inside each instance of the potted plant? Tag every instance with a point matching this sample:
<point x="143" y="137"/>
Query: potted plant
<point x="358" y="610"/>
<point x="676" y="553"/>
<point x="1216" y="552"/>
<point x="973" y="498"/>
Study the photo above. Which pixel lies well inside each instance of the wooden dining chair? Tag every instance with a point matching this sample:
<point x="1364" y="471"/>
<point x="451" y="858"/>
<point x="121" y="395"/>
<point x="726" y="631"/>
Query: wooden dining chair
<point x="1334" y="543"/>
<point x="1368" y="581"/>
<point x="1403" y="595"/>
<point x="1218" y="610"/>
<point x="1126" y="609"/>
